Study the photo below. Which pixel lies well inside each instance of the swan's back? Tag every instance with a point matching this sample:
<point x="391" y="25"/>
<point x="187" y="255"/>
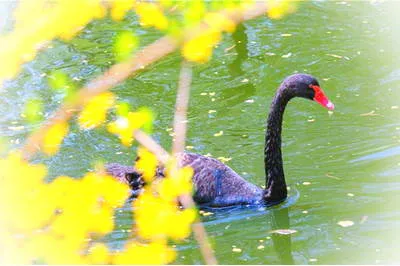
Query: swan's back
<point x="215" y="183"/>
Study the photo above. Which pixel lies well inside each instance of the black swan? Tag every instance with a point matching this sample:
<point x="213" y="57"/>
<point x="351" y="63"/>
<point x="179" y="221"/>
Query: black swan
<point x="217" y="185"/>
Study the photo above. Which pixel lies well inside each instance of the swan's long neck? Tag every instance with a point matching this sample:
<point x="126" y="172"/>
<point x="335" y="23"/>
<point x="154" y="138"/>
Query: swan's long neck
<point x="275" y="179"/>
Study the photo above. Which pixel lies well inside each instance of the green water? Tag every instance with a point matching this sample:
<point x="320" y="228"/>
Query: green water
<point x="343" y="166"/>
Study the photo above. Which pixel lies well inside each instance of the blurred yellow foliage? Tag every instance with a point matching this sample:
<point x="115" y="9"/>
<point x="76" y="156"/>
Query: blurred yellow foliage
<point x="152" y="253"/>
<point x="94" y="112"/>
<point x="124" y="126"/>
<point x="151" y="15"/>
<point x="278" y="8"/>
<point x="177" y="182"/>
<point x="147" y="164"/>
<point x="157" y="218"/>
<point x="120" y="7"/>
<point x="157" y="214"/>
<point x="99" y="254"/>
<point x="54" y="222"/>
<point x="124" y="45"/>
<point x="219" y="22"/>
<point x="193" y="12"/>
<point x="199" y="48"/>
<point x="53" y="138"/>
<point x="33" y="110"/>
<point x="37" y="22"/>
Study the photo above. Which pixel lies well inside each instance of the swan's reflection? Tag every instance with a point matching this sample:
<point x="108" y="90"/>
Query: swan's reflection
<point x="282" y="243"/>
<point x="235" y="91"/>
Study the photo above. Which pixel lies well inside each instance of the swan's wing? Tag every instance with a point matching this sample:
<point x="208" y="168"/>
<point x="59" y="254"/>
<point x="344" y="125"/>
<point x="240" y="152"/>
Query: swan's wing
<point x="216" y="183"/>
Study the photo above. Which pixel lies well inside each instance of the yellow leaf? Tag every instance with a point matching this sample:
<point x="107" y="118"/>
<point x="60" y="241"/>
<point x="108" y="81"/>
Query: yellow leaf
<point x="152" y="253"/>
<point x="33" y="110"/>
<point x="151" y="15"/>
<point x="99" y="254"/>
<point x="125" y="125"/>
<point x="124" y="45"/>
<point x="53" y="138"/>
<point x="95" y="111"/>
<point x="199" y="49"/>
<point x="120" y="7"/>
<point x="147" y="164"/>
<point x="219" y="22"/>
<point x="278" y="8"/>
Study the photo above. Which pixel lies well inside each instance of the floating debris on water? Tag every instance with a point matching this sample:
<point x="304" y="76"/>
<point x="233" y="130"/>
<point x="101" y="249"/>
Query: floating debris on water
<point x="306" y="183"/>
<point x="237" y="250"/>
<point x="372" y="113"/>
<point x="224" y="159"/>
<point x="249" y="101"/>
<point x="305" y="212"/>
<point x="350" y="194"/>
<point x="244" y="81"/>
<point x="204" y="213"/>
<point x="312" y="260"/>
<point x="260" y="247"/>
<point x="332" y="176"/>
<point x="286" y="34"/>
<point x="284" y="231"/>
<point x="270" y="54"/>
<point x="211" y="111"/>
<point x="338" y="56"/>
<point x="229" y="48"/>
<point x="287" y="55"/>
<point x="345" y="223"/>
<point x="220" y="133"/>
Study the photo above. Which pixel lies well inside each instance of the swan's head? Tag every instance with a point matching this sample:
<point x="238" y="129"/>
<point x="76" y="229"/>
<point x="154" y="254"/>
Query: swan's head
<point x="306" y="86"/>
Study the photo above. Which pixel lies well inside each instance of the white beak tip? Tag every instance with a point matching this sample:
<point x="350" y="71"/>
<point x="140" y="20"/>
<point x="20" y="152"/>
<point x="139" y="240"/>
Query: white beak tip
<point x="330" y="105"/>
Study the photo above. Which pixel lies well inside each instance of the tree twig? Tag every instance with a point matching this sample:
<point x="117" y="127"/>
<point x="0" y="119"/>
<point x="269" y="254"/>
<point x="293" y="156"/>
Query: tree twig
<point x="181" y="106"/>
<point x="121" y="71"/>
<point x="149" y="143"/>
<point x="180" y="128"/>
<point x="115" y="75"/>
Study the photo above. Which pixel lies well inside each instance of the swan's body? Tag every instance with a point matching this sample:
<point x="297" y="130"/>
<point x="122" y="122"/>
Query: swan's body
<point x="215" y="183"/>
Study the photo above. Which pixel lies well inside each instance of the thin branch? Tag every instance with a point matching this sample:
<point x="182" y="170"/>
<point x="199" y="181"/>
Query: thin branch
<point x="122" y="71"/>
<point x="115" y="75"/>
<point x="181" y="106"/>
<point x="149" y="143"/>
<point x="187" y="201"/>
<point x="180" y="128"/>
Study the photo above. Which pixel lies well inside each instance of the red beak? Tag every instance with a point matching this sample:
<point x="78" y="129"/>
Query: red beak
<point x="321" y="98"/>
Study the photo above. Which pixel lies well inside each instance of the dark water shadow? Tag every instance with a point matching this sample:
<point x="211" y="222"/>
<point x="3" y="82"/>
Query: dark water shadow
<point x="237" y="91"/>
